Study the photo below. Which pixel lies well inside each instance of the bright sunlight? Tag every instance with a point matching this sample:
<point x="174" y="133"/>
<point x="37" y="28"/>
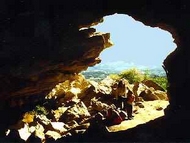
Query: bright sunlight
<point x="134" y="42"/>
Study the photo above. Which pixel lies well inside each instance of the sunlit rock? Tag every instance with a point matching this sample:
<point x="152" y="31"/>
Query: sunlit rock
<point x="71" y="88"/>
<point x="39" y="132"/>
<point x="28" y="117"/>
<point x="25" y="132"/>
<point x="43" y="119"/>
<point x="150" y="92"/>
<point x="53" y="134"/>
<point x="161" y="94"/>
<point x="98" y="105"/>
<point x="58" y="126"/>
<point x="58" y="112"/>
<point x="150" y="83"/>
<point x="76" y="112"/>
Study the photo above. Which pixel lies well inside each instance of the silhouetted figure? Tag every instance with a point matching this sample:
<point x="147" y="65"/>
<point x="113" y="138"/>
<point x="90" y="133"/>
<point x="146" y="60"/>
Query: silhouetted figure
<point x="129" y="104"/>
<point x="121" y="94"/>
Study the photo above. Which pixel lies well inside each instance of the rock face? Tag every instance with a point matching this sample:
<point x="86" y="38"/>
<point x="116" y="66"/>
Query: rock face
<point x="72" y="106"/>
<point x="41" y="43"/>
<point x="30" y="72"/>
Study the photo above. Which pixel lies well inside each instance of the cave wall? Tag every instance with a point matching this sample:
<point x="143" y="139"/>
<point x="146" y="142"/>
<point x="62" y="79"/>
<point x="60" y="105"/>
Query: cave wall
<point x="41" y="42"/>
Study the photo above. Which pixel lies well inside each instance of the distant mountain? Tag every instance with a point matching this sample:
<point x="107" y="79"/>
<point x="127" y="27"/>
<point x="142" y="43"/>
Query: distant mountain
<point x="102" y="70"/>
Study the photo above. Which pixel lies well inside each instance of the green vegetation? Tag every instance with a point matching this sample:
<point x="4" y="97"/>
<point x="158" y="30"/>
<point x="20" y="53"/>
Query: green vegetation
<point x="41" y="110"/>
<point x="134" y="75"/>
<point x="160" y="80"/>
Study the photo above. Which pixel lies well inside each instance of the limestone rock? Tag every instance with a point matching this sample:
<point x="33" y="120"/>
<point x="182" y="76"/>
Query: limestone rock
<point x="55" y="135"/>
<point x="150" y="83"/>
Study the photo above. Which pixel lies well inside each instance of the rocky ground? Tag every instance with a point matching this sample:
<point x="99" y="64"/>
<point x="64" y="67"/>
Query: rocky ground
<point x="70" y="110"/>
<point x="152" y="110"/>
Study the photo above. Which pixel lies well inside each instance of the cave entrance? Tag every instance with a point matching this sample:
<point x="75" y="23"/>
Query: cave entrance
<point x="137" y="48"/>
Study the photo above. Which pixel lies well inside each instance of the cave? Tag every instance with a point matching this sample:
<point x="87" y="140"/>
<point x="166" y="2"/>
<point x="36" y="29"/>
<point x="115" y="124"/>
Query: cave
<point x="41" y="42"/>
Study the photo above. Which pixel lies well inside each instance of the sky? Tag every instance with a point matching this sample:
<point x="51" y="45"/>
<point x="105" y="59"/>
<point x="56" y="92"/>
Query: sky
<point x="134" y="42"/>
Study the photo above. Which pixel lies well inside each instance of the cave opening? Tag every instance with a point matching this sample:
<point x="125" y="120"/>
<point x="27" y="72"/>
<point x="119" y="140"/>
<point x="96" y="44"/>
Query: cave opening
<point x="48" y="50"/>
<point x="124" y="54"/>
<point x="136" y="48"/>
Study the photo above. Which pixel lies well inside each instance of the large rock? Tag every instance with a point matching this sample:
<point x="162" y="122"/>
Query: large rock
<point x="151" y="83"/>
<point x="31" y="72"/>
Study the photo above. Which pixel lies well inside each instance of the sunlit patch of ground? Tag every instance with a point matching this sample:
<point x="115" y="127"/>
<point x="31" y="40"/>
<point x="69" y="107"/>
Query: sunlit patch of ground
<point x="151" y="111"/>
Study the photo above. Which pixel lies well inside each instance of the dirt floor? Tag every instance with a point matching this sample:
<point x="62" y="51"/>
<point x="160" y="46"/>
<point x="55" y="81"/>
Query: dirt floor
<point x="151" y="111"/>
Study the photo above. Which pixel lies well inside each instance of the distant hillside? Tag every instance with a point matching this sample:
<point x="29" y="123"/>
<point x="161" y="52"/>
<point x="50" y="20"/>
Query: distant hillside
<point x="101" y="71"/>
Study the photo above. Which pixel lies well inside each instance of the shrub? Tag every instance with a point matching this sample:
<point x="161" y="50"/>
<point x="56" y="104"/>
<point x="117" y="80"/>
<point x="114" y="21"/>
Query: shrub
<point x="41" y="110"/>
<point x="115" y="76"/>
<point x="135" y="75"/>
<point x="132" y="75"/>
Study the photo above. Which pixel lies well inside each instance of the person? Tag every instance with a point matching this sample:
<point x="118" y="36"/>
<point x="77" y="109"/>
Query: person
<point x="129" y="104"/>
<point x="121" y="94"/>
